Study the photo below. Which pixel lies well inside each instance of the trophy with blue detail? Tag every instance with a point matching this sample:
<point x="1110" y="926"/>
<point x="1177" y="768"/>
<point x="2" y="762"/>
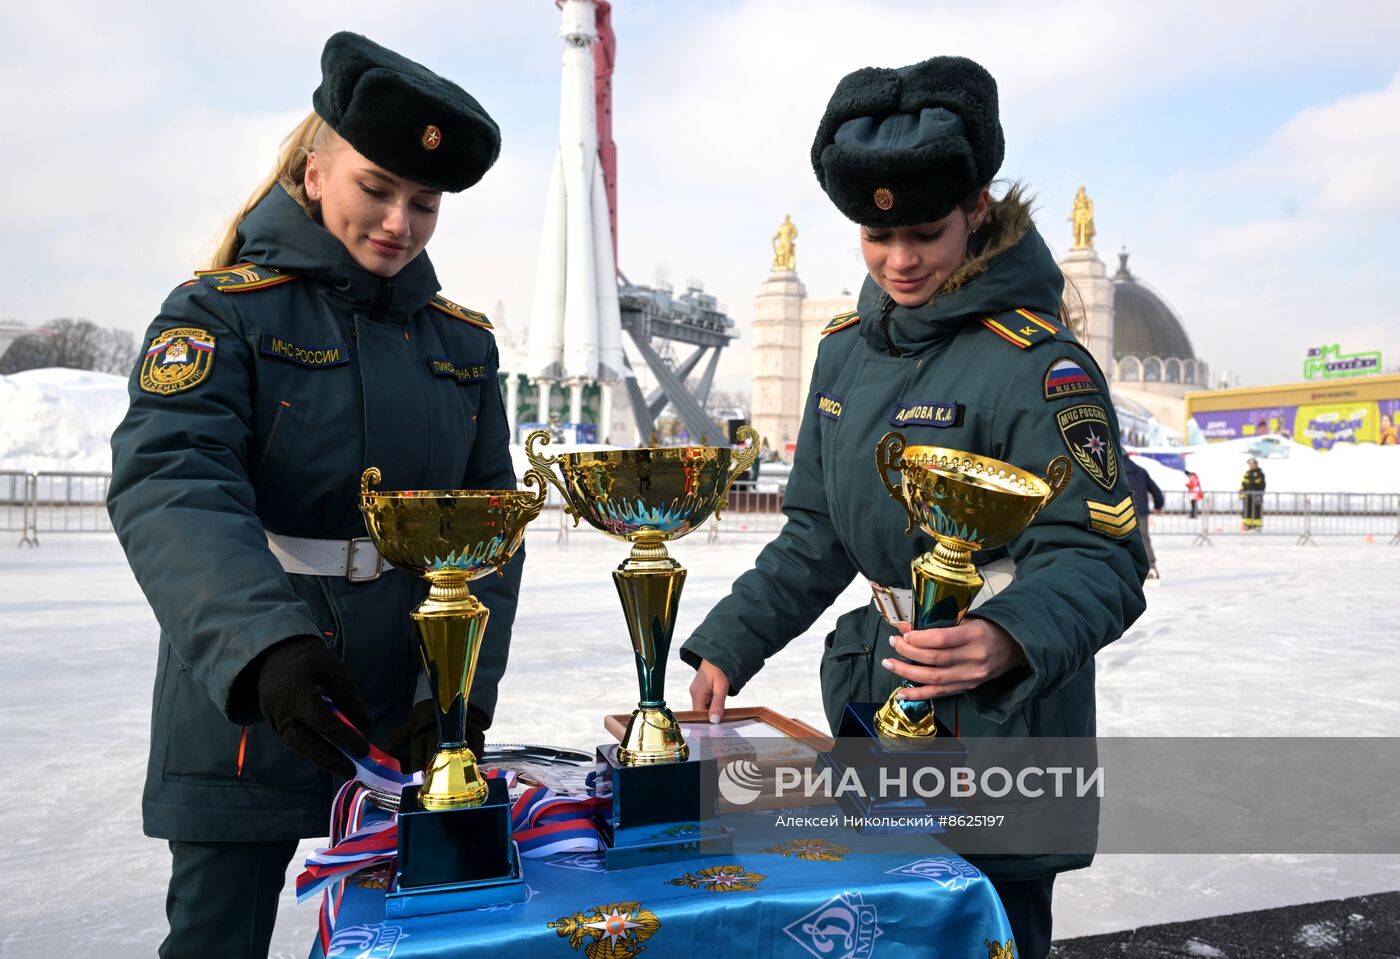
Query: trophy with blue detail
<point x="662" y="797"/>
<point x="455" y="846"/>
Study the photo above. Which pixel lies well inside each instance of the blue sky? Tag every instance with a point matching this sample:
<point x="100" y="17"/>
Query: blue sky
<point x="1244" y="152"/>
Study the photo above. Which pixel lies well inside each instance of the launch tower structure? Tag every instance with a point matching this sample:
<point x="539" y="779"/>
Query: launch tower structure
<point x="579" y="312"/>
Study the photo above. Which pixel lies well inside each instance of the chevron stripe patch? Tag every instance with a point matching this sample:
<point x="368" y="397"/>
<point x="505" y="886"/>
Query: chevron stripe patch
<point x="1112" y="519"/>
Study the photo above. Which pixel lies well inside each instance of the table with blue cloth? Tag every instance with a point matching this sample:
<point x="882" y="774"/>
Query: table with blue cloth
<point x="787" y="890"/>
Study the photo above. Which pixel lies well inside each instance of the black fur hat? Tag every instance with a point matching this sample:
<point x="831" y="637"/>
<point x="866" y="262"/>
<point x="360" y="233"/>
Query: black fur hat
<point x="905" y="146"/>
<point x="403" y="116"/>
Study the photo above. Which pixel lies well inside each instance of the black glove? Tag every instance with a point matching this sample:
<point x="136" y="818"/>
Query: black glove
<point x="290" y="679"/>
<point x="416" y="740"/>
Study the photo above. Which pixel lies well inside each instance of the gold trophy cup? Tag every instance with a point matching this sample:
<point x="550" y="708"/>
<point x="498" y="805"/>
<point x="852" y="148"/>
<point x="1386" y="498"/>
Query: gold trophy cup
<point x="450" y="537"/>
<point x="647" y="497"/>
<point x="966" y="503"/>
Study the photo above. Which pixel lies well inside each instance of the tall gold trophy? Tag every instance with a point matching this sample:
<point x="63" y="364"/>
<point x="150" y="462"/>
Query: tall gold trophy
<point x="457" y="852"/>
<point x="649" y="497"/>
<point x="966" y="503"/>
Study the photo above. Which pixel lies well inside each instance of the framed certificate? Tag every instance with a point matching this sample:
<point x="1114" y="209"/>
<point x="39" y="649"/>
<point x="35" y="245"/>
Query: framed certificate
<point x="759" y="739"/>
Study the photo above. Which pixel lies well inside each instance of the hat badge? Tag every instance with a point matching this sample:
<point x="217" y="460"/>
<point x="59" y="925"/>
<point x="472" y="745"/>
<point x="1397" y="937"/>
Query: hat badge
<point x="884" y="199"/>
<point x="432" y="137"/>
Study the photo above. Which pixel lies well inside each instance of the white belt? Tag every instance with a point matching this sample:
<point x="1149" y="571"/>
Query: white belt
<point x="355" y="559"/>
<point x="897" y="605"/>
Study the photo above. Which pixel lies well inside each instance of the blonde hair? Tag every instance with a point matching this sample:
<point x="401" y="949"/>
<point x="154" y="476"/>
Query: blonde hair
<point x="311" y="135"/>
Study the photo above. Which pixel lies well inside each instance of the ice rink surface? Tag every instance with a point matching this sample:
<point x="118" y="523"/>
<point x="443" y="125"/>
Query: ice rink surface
<point x="1249" y="637"/>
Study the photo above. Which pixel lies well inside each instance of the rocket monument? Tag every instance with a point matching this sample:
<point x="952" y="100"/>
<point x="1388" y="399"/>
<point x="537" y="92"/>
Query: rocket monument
<point x="575" y="333"/>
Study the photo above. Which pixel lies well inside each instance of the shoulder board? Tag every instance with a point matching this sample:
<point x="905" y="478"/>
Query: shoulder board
<point x="841" y="321"/>
<point x="242" y="277"/>
<point x="1023" y="328"/>
<point x="440" y="302"/>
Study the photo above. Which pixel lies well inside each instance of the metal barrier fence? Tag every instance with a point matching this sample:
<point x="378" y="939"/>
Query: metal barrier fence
<point x="1304" y="516"/>
<point x="53" y="502"/>
<point x="1301" y="515"/>
<point x="67" y="502"/>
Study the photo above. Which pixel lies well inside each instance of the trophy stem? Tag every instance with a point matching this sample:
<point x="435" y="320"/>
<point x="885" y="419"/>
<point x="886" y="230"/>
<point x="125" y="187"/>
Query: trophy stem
<point x="649" y="584"/>
<point x="945" y="581"/>
<point x="451" y="624"/>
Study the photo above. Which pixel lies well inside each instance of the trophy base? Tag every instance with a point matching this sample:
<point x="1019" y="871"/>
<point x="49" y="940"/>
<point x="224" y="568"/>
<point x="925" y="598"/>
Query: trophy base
<point x="660" y="812"/>
<point x="457" y="858"/>
<point x="890" y="773"/>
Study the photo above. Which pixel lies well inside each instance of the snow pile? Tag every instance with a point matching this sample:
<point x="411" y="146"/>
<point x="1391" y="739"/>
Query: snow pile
<point x="59" y="419"/>
<point x="1288" y="467"/>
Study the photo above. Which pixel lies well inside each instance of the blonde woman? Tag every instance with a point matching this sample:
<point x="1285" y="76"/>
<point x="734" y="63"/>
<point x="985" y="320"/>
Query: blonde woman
<point x="316" y="344"/>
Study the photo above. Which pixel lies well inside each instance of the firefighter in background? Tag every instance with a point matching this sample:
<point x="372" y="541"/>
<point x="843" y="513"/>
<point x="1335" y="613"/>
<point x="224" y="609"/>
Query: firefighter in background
<point x="1252" y="497"/>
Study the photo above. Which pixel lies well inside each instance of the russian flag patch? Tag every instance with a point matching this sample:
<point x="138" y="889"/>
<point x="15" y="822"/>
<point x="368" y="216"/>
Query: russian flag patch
<point x="1067" y="378"/>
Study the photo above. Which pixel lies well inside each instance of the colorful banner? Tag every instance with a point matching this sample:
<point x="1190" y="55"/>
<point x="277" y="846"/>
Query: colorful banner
<point x="1320" y="426"/>
<point x="1220" y="425"/>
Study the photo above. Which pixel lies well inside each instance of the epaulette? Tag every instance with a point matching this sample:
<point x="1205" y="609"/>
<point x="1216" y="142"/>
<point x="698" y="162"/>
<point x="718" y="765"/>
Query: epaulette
<point x="1024" y="328"/>
<point x="441" y="302"/>
<point x="840" y="321"/>
<point x="243" y="277"/>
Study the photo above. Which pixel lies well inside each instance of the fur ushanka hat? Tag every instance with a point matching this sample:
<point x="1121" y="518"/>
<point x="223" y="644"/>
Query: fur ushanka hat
<point x="900" y="147"/>
<point x="403" y="116"/>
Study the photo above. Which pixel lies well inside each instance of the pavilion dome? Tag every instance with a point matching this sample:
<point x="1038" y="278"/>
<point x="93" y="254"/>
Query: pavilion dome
<point x="1143" y="324"/>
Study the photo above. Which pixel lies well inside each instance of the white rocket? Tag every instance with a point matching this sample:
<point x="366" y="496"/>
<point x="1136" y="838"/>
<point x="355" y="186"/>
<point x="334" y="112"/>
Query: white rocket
<point x="576" y="328"/>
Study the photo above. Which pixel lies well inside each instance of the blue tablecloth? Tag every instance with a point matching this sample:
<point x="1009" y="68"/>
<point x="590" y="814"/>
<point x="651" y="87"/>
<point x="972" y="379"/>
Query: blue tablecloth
<point x="828" y="893"/>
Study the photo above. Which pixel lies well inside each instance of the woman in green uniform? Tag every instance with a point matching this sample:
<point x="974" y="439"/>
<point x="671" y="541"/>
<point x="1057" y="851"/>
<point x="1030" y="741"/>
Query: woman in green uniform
<point x="958" y="342"/>
<point x="317" y="345"/>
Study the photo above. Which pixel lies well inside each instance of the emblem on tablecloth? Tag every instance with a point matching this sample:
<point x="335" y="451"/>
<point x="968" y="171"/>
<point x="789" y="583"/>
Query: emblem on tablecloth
<point x="377" y="878"/>
<point x="810" y="848"/>
<point x="996" y="950"/>
<point x="720" y="879"/>
<point x="380" y="940"/>
<point x="948" y="872"/>
<point x="617" y="929"/>
<point x="586" y="861"/>
<point x="844" y="927"/>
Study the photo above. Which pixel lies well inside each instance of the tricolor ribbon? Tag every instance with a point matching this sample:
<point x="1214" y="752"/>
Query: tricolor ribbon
<point x="364" y="836"/>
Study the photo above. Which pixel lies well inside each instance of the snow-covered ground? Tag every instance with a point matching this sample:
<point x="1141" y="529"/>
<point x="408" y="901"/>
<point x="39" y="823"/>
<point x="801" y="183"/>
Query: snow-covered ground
<point x="1236" y="642"/>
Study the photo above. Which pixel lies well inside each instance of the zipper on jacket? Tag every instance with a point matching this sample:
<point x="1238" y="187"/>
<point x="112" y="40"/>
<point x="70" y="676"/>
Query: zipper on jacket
<point x="886" y="308"/>
<point x="381" y="301"/>
<point x="282" y="406"/>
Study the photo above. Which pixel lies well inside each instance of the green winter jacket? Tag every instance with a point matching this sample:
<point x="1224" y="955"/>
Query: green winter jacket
<point x="283" y="379"/>
<point x="984" y="367"/>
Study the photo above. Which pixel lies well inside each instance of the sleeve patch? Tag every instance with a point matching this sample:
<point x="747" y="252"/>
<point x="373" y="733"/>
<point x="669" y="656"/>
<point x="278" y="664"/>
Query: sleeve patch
<point x="244" y="277"/>
<point x="1067" y="378"/>
<point x="1115" y="520"/>
<point x="1021" y="328"/>
<point x="177" y="360"/>
<point x="1089" y="439"/>
<point x="841" y="321"/>
<point x="442" y="303"/>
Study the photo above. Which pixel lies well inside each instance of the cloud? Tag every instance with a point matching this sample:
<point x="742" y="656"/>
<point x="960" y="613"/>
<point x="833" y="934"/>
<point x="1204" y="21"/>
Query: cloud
<point x="140" y="134"/>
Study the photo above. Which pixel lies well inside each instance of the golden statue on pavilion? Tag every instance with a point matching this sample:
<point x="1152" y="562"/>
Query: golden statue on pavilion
<point x="1082" y="216"/>
<point x="784" y="247"/>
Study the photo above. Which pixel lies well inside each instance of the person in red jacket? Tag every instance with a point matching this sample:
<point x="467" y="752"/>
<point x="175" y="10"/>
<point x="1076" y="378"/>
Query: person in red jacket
<point x="1193" y="491"/>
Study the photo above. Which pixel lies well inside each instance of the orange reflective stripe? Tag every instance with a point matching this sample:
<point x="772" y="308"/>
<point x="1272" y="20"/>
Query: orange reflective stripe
<point x="242" y="750"/>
